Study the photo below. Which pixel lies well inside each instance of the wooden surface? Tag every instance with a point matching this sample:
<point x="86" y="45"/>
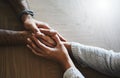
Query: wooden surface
<point x="91" y="22"/>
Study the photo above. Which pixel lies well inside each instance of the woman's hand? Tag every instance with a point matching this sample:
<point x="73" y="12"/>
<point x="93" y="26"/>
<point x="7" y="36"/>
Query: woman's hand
<point x="58" y="53"/>
<point x="53" y="32"/>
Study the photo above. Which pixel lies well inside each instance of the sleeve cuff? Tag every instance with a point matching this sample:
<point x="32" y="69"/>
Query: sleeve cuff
<point x="72" y="72"/>
<point x="77" y="53"/>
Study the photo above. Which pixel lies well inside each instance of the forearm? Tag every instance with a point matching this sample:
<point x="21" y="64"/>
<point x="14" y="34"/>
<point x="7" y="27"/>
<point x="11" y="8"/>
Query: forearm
<point x="97" y="58"/>
<point x="70" y="70"/>
<point x="66" y="64"/>
<point x="8" y="37"/>
<point x="19" y="5"/>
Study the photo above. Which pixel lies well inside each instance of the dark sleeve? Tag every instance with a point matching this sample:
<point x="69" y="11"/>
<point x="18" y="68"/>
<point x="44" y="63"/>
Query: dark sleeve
<point x="19" y="5"/>
<point x="8" y="37"/>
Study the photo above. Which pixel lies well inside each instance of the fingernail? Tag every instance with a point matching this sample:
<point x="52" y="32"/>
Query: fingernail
<point x="42" y="29"/>
<point x="28" y="39"/>
<point x="36" y="30"/>
<point x="40" y="34"/>
<point x="27" y="45"/>
<point x="33" y="34"/>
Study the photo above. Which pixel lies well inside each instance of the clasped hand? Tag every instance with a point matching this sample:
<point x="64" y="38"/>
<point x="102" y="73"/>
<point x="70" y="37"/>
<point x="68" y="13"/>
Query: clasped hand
<point x="47" y="43"/>
<point x="56" y="52"/>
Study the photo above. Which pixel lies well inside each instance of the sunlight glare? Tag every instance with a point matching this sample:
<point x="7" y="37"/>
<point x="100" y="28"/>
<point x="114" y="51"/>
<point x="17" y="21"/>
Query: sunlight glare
<point x="103" y="5"/>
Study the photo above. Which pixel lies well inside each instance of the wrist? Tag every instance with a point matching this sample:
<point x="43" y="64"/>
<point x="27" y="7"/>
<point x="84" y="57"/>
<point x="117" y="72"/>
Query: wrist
<point x="68" y="46"/>
<point x="67" y="64"/>
<point x="23" y="35"/>
<point x="25" y="14"/>
<point x="26" y="17"/>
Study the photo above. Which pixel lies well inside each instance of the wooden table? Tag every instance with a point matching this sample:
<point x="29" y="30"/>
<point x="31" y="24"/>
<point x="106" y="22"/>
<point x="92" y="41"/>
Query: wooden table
<point x="90" y="22"/>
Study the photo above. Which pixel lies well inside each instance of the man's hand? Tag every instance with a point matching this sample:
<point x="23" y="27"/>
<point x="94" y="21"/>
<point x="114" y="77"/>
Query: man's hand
<point x="35" y="26"/>
<point x="32" y="24"/>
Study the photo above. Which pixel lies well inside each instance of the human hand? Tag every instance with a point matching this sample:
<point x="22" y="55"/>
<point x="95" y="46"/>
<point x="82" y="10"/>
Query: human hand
<point x="32" y="24"/>
<point x="58" y="53"/>
<point x="45" y="38"/>
<point x="35" y="26"/>
<point x="53" y="32"/>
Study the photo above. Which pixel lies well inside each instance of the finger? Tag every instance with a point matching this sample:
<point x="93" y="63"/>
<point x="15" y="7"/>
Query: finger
<point x="42" y="25"/>
<point x="35" y="48"/>
<point x="61" y="37"/>
<point x="33" y="28"/>
<point x="35" y="52"/>
<point x="41" y="45"/>
<point x="30" y="47"/>
<point x="57" y="39"/>
<point x="45" y="38"/>
<point x="48" y="44"/>
<point x="30" y="42"/>
<point x="38" y="34"/>
<point x="49" y="32"/>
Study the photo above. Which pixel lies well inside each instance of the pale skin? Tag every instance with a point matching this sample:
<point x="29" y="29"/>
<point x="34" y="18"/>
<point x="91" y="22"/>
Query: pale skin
<point x="58" y="53"/>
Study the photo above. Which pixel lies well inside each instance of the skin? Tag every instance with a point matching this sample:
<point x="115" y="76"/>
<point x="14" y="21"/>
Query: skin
<point x="29" y="22"/>
<point x="40" y="47"/>
<point x="33" y="25"/>
<point x="37" y="43"/>
<point x="58" y="53"/>
<point x="51" y="32"/>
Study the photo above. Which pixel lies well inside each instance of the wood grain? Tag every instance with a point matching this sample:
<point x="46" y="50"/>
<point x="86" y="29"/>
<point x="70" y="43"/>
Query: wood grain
<point x="77" y="20"/>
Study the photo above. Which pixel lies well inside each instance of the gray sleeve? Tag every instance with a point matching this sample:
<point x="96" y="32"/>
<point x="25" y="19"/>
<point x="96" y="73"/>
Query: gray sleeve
<point x="72" y="72"/>
<point x="104" y="61"/>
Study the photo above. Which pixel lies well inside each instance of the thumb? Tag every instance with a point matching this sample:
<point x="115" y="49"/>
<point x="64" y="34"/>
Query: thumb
<point x="57" y="39"/>
<point x="45" y="38"/>
<point x="49" y="32"/>
<point x="32" y="27"/>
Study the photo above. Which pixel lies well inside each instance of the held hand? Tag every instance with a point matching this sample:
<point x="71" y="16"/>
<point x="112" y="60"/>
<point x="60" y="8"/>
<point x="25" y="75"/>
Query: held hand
<point x="45" y="38"/>
<point x="51" y="33"/>
<point x="58" y="53"/>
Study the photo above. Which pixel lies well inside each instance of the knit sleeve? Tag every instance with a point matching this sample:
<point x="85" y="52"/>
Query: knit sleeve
<point x="102" y="60"/>
<point x="72" y="72"/>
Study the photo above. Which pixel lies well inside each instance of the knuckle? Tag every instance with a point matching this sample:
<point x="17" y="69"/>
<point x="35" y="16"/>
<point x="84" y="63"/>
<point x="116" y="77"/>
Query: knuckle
<point x="39" y="45"/>
<point x="60" y="44"/>
<point x="47" y="25"/>
<point x="48" y="52"/>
